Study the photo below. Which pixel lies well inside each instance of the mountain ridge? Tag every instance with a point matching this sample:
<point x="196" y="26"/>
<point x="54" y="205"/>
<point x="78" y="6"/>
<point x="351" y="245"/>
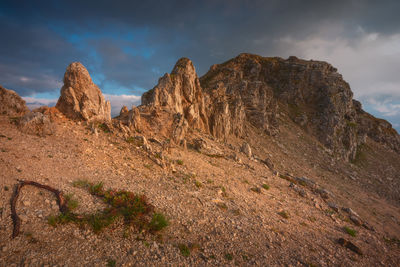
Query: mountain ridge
<point x="232" y="159"/>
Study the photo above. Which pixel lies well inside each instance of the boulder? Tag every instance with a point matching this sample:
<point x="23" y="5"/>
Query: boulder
<point x="80" y="98"/>
<point x="246" y="149"/>
<point x="11" y="103"/>
<point x="36" y="123"/>
<point x="268" y="163"/>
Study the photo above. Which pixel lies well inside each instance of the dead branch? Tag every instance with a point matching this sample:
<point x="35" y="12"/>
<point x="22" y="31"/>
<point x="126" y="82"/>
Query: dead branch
<point x="62" y="203"/>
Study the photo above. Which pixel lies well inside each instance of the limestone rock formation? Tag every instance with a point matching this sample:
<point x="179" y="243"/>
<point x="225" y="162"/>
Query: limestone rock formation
<point x="130" y="118"/>
<point x="250" y="88"/>
<point x="36" y="123"/>
<point x="237" y="95"/>
<point x="11" y="103"/>
<point x="246" y="149"/>
<point x="180" y="92"/>
<point x="254" y="91"/>
<point x="80" y="98"/>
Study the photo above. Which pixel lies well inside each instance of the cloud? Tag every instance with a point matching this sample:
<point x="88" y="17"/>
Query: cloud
<point x="118" y="101"/>
<point x="129" y="44"/>
<point x="33" y="102"/>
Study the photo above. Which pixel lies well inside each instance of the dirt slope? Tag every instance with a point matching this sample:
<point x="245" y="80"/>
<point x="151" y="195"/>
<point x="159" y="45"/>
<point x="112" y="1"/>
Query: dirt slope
<point x="207" y="198"/>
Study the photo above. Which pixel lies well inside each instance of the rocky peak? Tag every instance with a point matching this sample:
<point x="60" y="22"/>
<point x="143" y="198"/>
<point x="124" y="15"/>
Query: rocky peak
<point x="80" y="98"/>
<point x="180" y="92"/>
<point x="11" y="103"/>
<point x="314" y="94"/>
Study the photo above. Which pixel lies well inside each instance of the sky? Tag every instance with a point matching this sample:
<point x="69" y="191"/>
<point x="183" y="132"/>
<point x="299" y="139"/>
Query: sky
<point x="128" y="45"/>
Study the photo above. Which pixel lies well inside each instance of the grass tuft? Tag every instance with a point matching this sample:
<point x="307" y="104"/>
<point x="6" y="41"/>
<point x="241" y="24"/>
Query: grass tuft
<point x="158" y="222"/>
<point x="265" y="186"/>
<point x="111" y="263"/>
<point x="228" y="256"/>
<point x="350" y="231"/>
<point x="185" y="251"/>
<point x="284" y="214"/>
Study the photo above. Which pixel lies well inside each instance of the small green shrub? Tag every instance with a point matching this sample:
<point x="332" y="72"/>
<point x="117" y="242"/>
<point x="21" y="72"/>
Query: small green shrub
<point x="95" y="189"/>
<point x="222" y="205"/>
<point x="198" y="184"/>
<point x="185" y="251"/>
<point x="148" y="166"/>
<point x="228" y="256"/>
<point x="350" y="231"/>
<point x="284" y="214"/>
<point x="80" y="183"/>
<point x="158" y="222"/>
<point x="265" y="186"/>
<point x="71" y="202"/>
<point x="104" y="127"/>
<point x="134" y="209"/>
<point x="111" y="263"/>
<point x="179" y="162"/>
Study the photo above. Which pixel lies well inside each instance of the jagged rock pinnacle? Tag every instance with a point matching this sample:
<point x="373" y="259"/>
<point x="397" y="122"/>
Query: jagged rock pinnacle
<point x="80" y="98"/>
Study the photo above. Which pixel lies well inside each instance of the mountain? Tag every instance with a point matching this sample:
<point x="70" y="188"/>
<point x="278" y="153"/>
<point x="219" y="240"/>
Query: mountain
<point x="261" y="161"/>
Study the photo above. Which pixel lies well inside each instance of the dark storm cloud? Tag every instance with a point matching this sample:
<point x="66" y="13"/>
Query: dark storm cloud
<point x="129" y="44"/>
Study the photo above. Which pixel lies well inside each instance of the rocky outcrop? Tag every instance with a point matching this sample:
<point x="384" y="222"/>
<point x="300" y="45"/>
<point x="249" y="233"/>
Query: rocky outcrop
<point x="36" y="123"/>
<point x="379" y="130"/>
<point x="173" y="107"/>
<point x="253" y="91"/>
<point x="237" y="95"/>
<point x="11" y="103"/>
<point x="130" y="118"/>
<point x="249" y="88"/>
<point x="80" y="98"/>
<point x="180" y="92"/>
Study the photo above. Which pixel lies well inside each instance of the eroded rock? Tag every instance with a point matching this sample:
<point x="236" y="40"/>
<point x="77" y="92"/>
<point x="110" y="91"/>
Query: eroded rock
<point x="247" y="89"/>
<point x="180" y="93"/>
<point x="11" y="103"/>
<point x="246" y="149"/>
<point x="80" y="98"/>
<point x="36" y="123"/>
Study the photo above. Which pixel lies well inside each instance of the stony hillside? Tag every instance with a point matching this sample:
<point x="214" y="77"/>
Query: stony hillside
<point x="262" y="161"/>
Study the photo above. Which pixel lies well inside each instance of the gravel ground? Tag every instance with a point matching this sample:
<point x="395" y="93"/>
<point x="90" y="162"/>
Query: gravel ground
<point x="208" y="200"/>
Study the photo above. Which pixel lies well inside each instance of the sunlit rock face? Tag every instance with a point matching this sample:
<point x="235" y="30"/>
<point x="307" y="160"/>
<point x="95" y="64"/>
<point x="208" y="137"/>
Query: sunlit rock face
<point x="80" y="98"/>
<point x="180" y="92"/>
<point x="314" y="95"/>
<point x="256" y="91"/>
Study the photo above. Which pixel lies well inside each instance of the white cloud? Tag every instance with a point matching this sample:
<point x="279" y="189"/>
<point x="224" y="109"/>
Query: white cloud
<point x="385" y="107"/>
<point x="33" y="102"/>
<point x="117" y="101"/>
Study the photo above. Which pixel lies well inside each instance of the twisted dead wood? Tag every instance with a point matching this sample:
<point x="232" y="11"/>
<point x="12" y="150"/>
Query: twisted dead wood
<point x="61" y="201"/>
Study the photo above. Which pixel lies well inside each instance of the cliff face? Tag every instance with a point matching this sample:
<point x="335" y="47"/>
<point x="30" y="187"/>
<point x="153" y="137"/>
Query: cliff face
<point x="312" y="92"/>
<point x="256" y="90"/>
